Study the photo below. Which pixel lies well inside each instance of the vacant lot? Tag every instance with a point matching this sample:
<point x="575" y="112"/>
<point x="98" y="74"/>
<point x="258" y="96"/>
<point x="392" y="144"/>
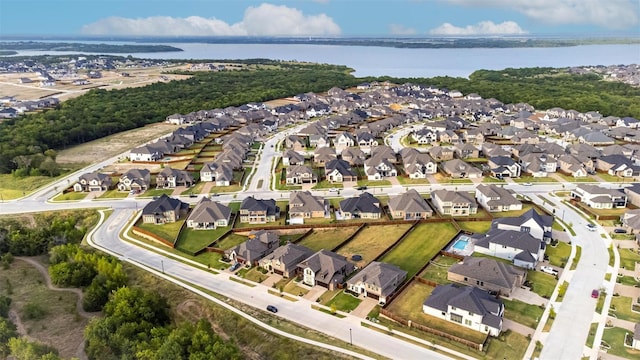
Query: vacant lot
<point x="424" y="241"/>
<point x="372" y="241"/>
<point x="327" y="238"/>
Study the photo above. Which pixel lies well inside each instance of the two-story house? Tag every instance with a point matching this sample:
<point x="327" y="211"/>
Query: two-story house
<point x="169" y="178"/>
<point x="326" y="269"/>
<point x="208" y="215"/>
<point x="487" y="274"/>
<point x="258" y="211"/>
<point x="454" y="203"/>
<point x="164" y="210"/>
<point x="520" y="247"/>
<point x="93" y="182"/>
<point x="539" y="226"/>
<point x="377" y="281"/>
<point x="137" y="180"/>
<point x="495" y="198"/>
<point x="303" y="205"/>
<point x="259" y="244"/>
<point x="285" y="259"/>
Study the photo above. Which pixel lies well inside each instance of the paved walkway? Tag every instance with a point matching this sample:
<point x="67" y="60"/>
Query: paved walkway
<point x="365" y="307"/>
<point x="517" y="327"/>
<point x="603" y="355"/>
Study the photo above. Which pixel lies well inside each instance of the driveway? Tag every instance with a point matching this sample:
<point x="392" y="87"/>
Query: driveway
<point x="517" y="327"/>
<point x="314" y="293"/>
<point x="365" y="307"/>
<point x="272" y="279"/>
<point x="527" y="296"/>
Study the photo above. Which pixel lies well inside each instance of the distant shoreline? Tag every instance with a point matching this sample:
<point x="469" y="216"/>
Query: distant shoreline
<point x="11" y="47"/>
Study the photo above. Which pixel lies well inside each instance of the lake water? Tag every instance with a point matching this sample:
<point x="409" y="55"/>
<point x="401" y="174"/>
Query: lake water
<point x="402" y="62"/>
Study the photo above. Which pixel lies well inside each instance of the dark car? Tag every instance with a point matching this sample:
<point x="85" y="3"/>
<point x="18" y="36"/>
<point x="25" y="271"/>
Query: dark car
<point x="362" y="188"/>
<point x="272" y="308"/>
<point x="620" y="231"/>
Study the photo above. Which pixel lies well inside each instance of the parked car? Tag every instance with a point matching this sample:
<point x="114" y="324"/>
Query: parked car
<point x="595" y="293"/>
<point x="592" y="227"/>
<point x="361" y="188"/>
<point x="272" y="308"/>
<point x="527" y="184"/>
<point x="549" y="270"/>
<point x="620" y="231"/>
<point x="334" y="190"/>
<point x="235" y="266"/>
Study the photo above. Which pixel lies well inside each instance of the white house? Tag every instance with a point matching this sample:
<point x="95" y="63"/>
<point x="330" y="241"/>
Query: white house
<point x="598" y="197"/>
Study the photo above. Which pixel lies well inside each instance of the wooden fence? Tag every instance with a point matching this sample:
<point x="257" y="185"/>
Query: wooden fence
<point x="151" y="236"/>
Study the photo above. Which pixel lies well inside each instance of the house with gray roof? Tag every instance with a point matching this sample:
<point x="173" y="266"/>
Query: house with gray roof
<point x="219" y="172"/>
<point x="409" y="206"/>
<point x="539" y="226"/>
<point x="259" y="244"/>
<point x="377" y="281"/>
<point x="258" y="211"/>
<point x="538" y="164"/>
<point x="521" y="248"/>
<point x="365" y="206"/>
<point x="169" y="178"/>
<point x="94" y="181"/>
<point x="617" y="165"/>
<point x="300" y="174"/>
<point x="495" y="198"/>
<point x="291" y="157"/>
<point x="285" y="259"/>
<point x="326" y="269"/>
<point x="504" y="166"/>
<point x="631" y="220"/>
<point x="596" y="138"/>
<point x="323" y="155"/>
<point x="378" y="168"/>
<point x="147" y="152"/>
<point x="417" y="165"/>
<point x="573" y="165"/>
<point x="303" y="205"/>
<point x="441" y="153"/>
<point x="135" y="179"/>
<point x="466" y="150"/>
<point x="163" y="210"/>
<point x="599" y="197"/>
<point x="459" y="169"/>
<point x="339" y="171"/>
<point x="633" y="194"/>
<point x="208" y="215"/>
<point x="354" y="156"/>
<point x="454" y="203"/>
<point x="487" y="274"/>
<point x="466" y="306"/>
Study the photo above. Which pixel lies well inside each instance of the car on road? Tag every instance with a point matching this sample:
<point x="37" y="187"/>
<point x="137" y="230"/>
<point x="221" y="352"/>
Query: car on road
<point x="549" y="270"/>
<point x="334" y="190"/>
<point x="361" y="188"/>
<point x="595" y="293"/>
<point x="272" y="308"/>
<point x="527" y="184"/>
<point x="592" y="227"/>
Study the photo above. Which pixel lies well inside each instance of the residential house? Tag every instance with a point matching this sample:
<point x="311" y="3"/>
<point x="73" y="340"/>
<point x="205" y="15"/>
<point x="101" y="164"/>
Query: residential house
<point x="631" y="220"/>
<point x="295" y="143"/>
<point x="259" y="244"/>
<point x="504" y="166"/>
<point x="169" y="178"/>
<point x="538" y="165"/>
<point x="326" y="269"/>
<point x="285" y="259"/>
<point x="219" y="172"/>
<point x="300" y="174"/>
<point x="459" y="169"/>
<point x="93" y="182"/>
<point x="441" y="153"/>
<point x="424" y="136"/>
<point x="137" y="180"/>
<point x="409" y="206"/>
<point x="339" y="171"/>
<point x="598" y="197"/>
<point x="487" y="274"/>
<point x="417" y="165"/>
<point x="377" y="280"/>
<point x="354" y="156"/>
<point x="448" y="137"/>
<point x="454" y="203"/>
<point x="366" y="141"/>
<point x="303" y="205"/>
<point x="520" y="247"/>
<point x="633" y="194"/>
<point x="473" y="136"/>
<point x="466" y="150"/>
<point x="258" y="211"/>
<point x="596" y="138"/>
<point x="146" y="153"/>
<point x="384" y="152"/>
<point x="574" y="165"/>
<point x="291" y="157"/>
<point x="378" y="168"/>
<point x="318" y="141"/>
<point x="539" y="226"/>
<point x="365" y="206"/>
<point x="323" y="155"/>
<point x="466" y="306"/>
<point x="617" y="165"/>
<point x="495" y="198"/>
<point x="164" y="210"/>
<point x="343" y="141"/>
<point x="209" y="215"/>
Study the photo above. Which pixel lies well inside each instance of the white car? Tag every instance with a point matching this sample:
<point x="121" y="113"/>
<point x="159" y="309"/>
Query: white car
<point x="549" y="270"/>
<point x="592" y="227"/>
<point x="527" y="184"/>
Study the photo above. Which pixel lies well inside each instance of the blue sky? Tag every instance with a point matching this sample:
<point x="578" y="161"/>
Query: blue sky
<point x="319" y="17"/>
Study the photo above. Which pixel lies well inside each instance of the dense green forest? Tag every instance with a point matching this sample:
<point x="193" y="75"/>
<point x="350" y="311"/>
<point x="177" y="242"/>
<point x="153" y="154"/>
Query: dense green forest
<point x="24" y="141"/>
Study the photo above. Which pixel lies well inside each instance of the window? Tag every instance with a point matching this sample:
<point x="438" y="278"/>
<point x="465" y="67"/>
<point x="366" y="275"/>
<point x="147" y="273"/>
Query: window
<point x="456" y="318"/>
<point x="525" y="229"/>
<point x="467" y="322"/>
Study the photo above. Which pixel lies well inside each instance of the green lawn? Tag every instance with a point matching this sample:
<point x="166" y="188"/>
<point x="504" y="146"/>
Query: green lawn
<point x="627" y="280"/>
<point x="406" y="181"/>
<point x="559" y="254"/>
<point x="480" y="227"/>
<point x="614" y="337"/>
<point x="628" y="259"/>
<point x="344" y="302"/>
<point x="437" y="270"/>
<point x="543" y="284"/>
<point x="230" y="241"/>
<point x="372" y="241"/>
<point x="167" y="231"/>
<point x="612" y="259"/>
<point x="195" y="189"/>
<point x="613" y="178"/>
<point x="254" y="274"/>
<point x="592" y="334"/>
<point x="621" y="306"/>
<point x="157" y="192"/>
<point x="325" y="184"/>
<point x="531" y="179"/>
<point x="509" y="345"/>
<point x="365" y="182"/>
<point x="71" y="196"/>
<point x="191" y="240"/>
<point x="12" y="187"/>
<point x="514" y="213"/>
<point x="571" y="179"/>
<point x="523" y="313"/>
<point x="576" y="258"/>
<point x="425" y="241"/>
<point x="327" y="238"/>
<point x="114" y="194"/>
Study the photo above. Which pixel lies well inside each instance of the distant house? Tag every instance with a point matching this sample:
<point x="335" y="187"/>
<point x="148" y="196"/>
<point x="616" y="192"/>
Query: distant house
<point x="378" y="168"/>
<point x="146" y="153"/>
<point x="291" y="157"/>
<point x="326" y="269"/>
<point x="487" y="274"/>
<point x="219" y="172"/>
<point x="598" y="197"/>
<point x="303" y="205"/>
<point x="377" y="281"/>
<point x="495" y="198"/>
<point x="255" y="211"/>
<point x="521" y="248"/>
<point x="93" y="182"/>
<point x="454" y="203"/>
<point x="466" y="150"/>
<point x="258" y="245"/>
<point x="295" y="143"/>
<point x="135" y="179"/>
<point x="208" y="215"/>
<point x="459" y="169"/>
<point x="504" y="166"/>
<point x="617" y="165"/>
<point x="164" y="210"/>
<point x="169" y="178"/>
<point x="300" y="174"/>
<point x="339" y="171"/>
<point x="285" y="259"/>
<point x="365" y="206"/>
<point x="441" y="153"/>
<point x="354" y="156"/>
<point x="633" y="194"/>
<point x="539" y="226"/>
<point x="466" y="306"/>
<point x="409" y="206"/>
<point x="631" y="220"/>
<point x="323" y="155"/>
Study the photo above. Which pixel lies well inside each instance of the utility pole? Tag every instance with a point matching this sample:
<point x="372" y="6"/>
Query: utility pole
<point x="162" y="264"/>
<point x="350" y="337"/>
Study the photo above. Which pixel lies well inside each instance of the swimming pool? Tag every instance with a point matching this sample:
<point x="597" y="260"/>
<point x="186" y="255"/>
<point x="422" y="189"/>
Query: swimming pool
<point x="461" y="243"/>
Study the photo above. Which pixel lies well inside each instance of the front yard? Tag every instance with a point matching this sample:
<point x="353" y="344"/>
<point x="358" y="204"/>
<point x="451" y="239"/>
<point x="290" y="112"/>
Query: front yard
<point x="523" y="313"/>
<point x="615" y="337"/>
<point x="621" y="307"/>
<point x="542" y="284"/>
<point x="558" y="254"/>
<point x="628" y="259"/>
<point x="344" y="302"/>
<point x="425" y="241"/>
<point x="479" y="227"/>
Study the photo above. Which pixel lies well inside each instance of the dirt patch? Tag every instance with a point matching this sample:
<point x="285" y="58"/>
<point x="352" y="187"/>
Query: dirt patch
<point x="110" y="146"/>
<point x="280" y="102"/>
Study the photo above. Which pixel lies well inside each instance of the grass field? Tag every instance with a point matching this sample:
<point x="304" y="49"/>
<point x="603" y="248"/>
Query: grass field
<point x="543" y="284"/>
<point x="114" y="194"/>
<point x="523" y="313"/>
<point x="531" y="179"/>
<point x="60" y="326"/>
<point x="192" y="240"/>
<point x="167" y="231"/>
<point x="420" y="246"/>
<point x="437" y="270"/>
<point x="230" y="241"/>
<point x="592" y="334"/>
<point x="479" y="227"/>
<point x="372" y="241"/>
<point x="327" y="238"/>
<point x="70" y="196"/>
<point x="559" y="254"/>
<point x="344" y="302"/>
<point x="614" y="337"/>
<point x="621" y="306"/>
<point x="12" y="187"/>
<point x="628" y="259"/>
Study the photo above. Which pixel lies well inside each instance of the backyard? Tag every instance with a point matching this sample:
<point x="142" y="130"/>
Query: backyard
<point x="437" y="270"/>
<point x="229" y="241"/>
<point x="327" y="238"/>
<point x="420" y="246"/>
<point x="372" y="241"/>
<point x="168" y="231"/>
<point x="191" y="240"/>
<point x="478" y="227"/>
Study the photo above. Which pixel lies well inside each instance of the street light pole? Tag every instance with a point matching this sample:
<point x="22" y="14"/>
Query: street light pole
<point x="350" y="337"/>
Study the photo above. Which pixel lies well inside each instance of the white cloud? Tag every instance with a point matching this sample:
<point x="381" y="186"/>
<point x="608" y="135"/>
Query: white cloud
<point x="397" y="29"/>
<point x="266" y="19"/>
<point x="481" y="28"/>
<point x="614" y="14"/>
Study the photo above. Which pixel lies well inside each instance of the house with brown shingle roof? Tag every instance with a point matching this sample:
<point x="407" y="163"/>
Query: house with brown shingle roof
<point x="326" y="269"/>
<point x="487" y="274"/>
